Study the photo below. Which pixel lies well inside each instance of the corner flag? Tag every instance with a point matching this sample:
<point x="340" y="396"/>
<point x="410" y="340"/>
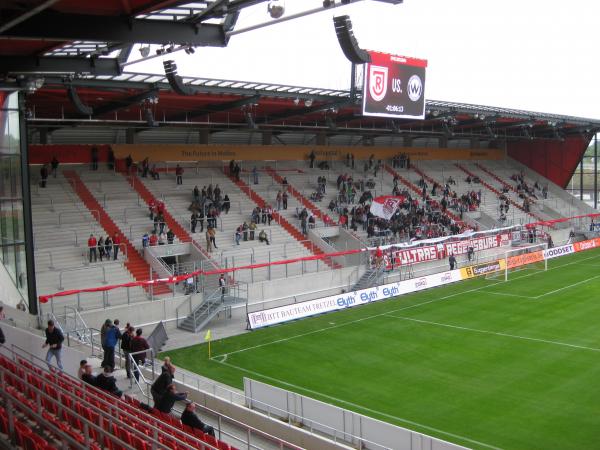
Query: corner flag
<point x="207" y="337"/>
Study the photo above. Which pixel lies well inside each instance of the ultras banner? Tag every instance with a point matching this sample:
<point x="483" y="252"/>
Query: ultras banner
<point x="394" y="86"/>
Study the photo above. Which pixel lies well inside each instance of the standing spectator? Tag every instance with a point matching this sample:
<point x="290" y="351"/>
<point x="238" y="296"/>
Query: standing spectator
<point x="126" y="339"/>
<point x="153" y="239"/>
<point x="92" y="247"/>
<point x="116" y="244"/>
<point x="107" y="382"/>
<point x="101" y="247"/>
<point x="211" y="236"/>
<point x="238" y="235"/>
<point x="111" y="160"/>
<point x="138" y="347"/>
<point x="179" y="174"/>
<point x="208" y="241"/>
<point x="145" y="240"/>
<point x="170" y="236"/>
<point x="108" y="247"/>
<point x="43" y="175"/>
<point x="252" y="229"/>
<point x="303" y="225"/>
<point x="190" y="419"/>
<point x="110" y="335"/>
<point x="226" y="204"/>
<point x="284" y="198"/>
<point x="201" y="219"/>
<point x="255" y="175"/>
<point x="312" y="157"/>
<point x="54" y="340"/>
<point x="165" y="405"/>
<point x="223" y="286"/>
<point x="194" y="221"/>
<point x="2" y="338"/>
<point x="128" y="163"/>
<point x="94" y="158"/>
<point x="278" y="200"/>
<point x="54" y="166"/>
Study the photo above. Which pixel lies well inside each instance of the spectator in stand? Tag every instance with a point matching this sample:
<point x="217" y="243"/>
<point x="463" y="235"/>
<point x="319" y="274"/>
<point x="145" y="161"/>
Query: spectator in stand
<point x="94" y="158"/>
<point x="312" y="157"/>
<point x="223" y="286"/>
<point x="231" y="167"/>
<point x="162" y="382"/>
<point x="255" y="175"/>
<point x="162" y="239"/>
<point x="193" y="221"/>
<point x="107" y="382"/>
<point x="226" y="204"/>
<point x="154" y="173"/>
<point x="167" y="364"/>
<point x="170" y="236"/>
<point x="238" y="235"/>
<point x="262" y="237"/>
<point x="236" y="171"/>
<point x="54" y="340"/>
<point x="88" y="376"/>
<point x="252" y="229"/>
<point x="166" y="403"/>
<point x="128" y="163"/>
<point x="92" y="248"/>
<point x="101" y="248"/>
<point x="110" y="336"/>
<point x="116" y="244"/>
<point x="470" y="252"/>
<point x="138" y="348"/>
<point x="179" y="174"/>
<point x="284" y="199"/>
<point x="278" y="200"/>
<point x="44" y="175"/>
<point x="153" y="239"/>
<point x="145" y="240"/>
<point x="110" y="160"/>
<point x="81" y="369"/>
<point x="54" y="166"/>
<point x="190" y="419"/>
<point x="126" y="339"/>
<point x="108" y="247"/>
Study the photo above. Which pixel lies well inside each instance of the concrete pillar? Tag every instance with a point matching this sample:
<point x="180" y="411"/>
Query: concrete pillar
<point x="203" y="136"/>
<point x="267" y="137"/>
<point x="130" y="136"/>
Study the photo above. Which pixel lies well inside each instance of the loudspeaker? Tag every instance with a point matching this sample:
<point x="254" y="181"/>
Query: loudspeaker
<point x="349" y="44"/>
<point x="175" y="80"/>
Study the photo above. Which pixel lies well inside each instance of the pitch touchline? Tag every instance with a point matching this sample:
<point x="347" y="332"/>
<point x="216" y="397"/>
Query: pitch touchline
<point x="356" y="406"/>
<point x="496" y="333"/>
<point x="277" y="341"/>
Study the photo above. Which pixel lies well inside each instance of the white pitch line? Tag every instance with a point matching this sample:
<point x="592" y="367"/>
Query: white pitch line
<point x="569" y="286"/>
<point x="510" y="295"/>
<point x="359" y="407"/>
<point x="416" y="305"/>
<point x="497" y="333"/>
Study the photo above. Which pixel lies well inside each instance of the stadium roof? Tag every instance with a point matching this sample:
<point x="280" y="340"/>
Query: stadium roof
<point x="147" y="101"/>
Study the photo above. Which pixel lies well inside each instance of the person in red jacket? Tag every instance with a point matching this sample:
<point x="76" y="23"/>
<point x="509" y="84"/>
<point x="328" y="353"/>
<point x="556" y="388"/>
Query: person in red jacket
<point x="153" y="239"/>
<point x="116" y="244"/>
<point x="179" y="174"/>
<point x="92" y="245"/>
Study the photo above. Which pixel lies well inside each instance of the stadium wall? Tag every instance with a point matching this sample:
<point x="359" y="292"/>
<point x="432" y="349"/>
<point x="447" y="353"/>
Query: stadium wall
<point x="556" y="160"/>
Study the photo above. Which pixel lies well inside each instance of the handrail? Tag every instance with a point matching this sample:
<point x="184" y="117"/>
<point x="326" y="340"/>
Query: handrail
<point x="75" y="269"/>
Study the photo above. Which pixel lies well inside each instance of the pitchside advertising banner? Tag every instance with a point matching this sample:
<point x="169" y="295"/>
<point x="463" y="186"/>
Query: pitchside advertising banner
<point x="309" y="308"/>
<point x="394" y="86"/>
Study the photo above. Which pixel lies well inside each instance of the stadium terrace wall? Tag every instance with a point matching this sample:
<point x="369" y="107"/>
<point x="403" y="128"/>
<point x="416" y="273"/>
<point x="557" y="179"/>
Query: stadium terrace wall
<point x="346" y="300"/>
<point x="553" y="159"/>
<point x="39" y="154"/>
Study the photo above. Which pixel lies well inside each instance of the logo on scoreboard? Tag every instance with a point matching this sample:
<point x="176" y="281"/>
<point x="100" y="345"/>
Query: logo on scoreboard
<point x="378" y="81"/>
<point x="415" y="88"/>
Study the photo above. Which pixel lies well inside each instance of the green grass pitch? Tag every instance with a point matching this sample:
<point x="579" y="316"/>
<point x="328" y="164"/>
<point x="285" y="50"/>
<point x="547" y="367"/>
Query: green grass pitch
<point x="482" y="363"/>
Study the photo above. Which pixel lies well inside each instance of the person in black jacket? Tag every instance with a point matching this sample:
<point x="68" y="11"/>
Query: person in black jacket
<point x="87" y="376"/>
<point x="126" y="339"/>
<point x="2" y="338"/>
<point x="161" y="384"/>
<point x="107" y="382"/>
<point x="166" y="402"/>
<point x="54" y="340"/>
<point x="189" y="418"/>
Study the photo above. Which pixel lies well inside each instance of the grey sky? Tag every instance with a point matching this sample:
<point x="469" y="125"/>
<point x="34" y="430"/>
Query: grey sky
<point x="537" y="55"/>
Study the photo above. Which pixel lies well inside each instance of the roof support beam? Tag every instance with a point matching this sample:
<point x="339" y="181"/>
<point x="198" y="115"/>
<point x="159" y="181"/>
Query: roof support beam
<point x="211" y="109"/>
<point x="303" y="111"/>
<point x="60" y="65"/>
<point x="79" y="27"/>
